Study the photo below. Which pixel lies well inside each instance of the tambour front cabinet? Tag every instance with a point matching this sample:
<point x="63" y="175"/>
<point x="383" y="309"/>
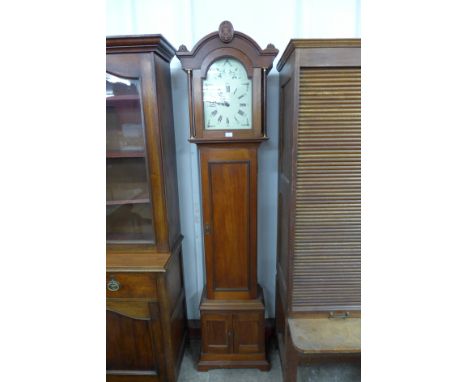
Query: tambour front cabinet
<point x="145" y="296"/>
<point x="319" y="189"/>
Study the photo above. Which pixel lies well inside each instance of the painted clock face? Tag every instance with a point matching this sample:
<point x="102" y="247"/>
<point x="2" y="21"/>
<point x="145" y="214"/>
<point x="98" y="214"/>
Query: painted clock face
<point x="227" y="96"/>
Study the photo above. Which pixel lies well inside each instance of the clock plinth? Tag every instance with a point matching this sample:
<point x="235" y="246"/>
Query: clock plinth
<point x="227" y="73"/>
<point x="233" y="334"/>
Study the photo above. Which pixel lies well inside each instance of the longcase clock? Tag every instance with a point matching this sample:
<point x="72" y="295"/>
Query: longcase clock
<point x="227" y="75"/>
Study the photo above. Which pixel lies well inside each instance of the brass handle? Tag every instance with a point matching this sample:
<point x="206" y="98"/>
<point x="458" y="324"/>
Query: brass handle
<point x="340" y="315"/>
<point x="113" y="285"/>
<point x="207" y="229"/>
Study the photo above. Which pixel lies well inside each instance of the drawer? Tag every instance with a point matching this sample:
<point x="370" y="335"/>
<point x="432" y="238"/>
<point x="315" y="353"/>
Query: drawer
<point x="131" y="285"/>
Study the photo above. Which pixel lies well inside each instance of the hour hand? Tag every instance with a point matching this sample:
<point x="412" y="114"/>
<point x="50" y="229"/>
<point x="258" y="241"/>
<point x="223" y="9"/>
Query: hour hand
<point x="224" y="103"/>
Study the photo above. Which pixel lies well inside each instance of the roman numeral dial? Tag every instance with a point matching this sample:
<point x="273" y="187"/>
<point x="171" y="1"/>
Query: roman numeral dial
<point x="227" y="96"/>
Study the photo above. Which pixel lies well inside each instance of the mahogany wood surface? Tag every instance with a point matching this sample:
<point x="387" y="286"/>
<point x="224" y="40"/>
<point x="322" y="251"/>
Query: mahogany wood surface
<point x="217" y="329"/>
<point x="128" y="343"/>
<point x="128" y="261"/>
<point x="146" y="313"/>
<point x="133" y="285"/>
<point x="248" y="329"/>
<point x="233" y="334"/>
<point x="131" y="308"/>
<point x="229" y="189"/>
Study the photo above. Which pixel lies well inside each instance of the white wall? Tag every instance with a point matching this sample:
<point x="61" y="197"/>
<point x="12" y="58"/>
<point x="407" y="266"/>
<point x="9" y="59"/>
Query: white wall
<point x="186" y="22"/>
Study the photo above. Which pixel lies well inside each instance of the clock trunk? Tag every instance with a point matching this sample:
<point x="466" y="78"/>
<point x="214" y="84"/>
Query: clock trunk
<point x="229" y="189"/>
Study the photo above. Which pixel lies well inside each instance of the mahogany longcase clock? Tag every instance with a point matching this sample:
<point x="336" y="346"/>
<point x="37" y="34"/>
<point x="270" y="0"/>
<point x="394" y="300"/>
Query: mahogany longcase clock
<point x="227" y="75"/>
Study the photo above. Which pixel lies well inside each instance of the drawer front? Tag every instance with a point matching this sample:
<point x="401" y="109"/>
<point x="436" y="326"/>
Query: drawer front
<point x="131" y="285"/>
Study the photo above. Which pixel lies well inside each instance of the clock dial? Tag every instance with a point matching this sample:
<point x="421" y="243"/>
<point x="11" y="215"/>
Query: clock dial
<point x="227" y="96"/>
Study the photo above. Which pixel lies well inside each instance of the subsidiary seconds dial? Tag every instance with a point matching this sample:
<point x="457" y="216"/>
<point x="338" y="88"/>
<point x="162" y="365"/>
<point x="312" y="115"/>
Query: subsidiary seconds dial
<point x="227" y="96"/>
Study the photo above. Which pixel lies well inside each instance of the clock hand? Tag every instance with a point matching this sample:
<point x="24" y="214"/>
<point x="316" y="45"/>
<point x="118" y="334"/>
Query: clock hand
<point x="225" y="103"/>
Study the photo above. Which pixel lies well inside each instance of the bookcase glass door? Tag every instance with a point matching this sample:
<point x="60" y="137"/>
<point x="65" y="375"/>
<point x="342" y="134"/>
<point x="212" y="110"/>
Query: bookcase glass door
<point x="129" y="218"/>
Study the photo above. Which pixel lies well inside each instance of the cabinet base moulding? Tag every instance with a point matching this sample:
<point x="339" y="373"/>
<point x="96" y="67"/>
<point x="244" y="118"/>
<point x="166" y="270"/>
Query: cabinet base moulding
<point x="133" y="377"/>
<point x="205" y="365"/>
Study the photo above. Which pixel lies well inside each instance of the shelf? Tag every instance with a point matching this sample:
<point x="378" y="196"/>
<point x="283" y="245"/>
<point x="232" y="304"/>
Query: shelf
<point x="123" y="98"/>
<point x="130" y="241"/>
<point x="125" y="154"/>
<point x="114" y="238"/>
<point x="127" y="201"/>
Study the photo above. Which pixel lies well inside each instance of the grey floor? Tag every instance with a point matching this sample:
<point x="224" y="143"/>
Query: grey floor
<point x="322" y="373"/>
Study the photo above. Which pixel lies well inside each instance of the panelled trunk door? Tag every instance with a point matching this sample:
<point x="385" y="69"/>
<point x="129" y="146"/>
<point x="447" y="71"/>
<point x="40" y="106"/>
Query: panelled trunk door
<point x="228" y="175"/>
<point x="326" y="274"/>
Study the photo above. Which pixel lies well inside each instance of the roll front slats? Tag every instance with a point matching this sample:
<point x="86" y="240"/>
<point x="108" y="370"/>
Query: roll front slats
<point x="327" y="249"/>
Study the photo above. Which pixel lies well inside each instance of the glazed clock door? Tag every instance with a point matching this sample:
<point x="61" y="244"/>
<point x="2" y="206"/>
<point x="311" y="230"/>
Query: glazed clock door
<point x="229" y="211"/>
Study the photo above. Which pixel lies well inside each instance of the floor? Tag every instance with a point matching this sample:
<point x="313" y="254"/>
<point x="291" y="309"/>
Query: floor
<point x="322" y="373"/>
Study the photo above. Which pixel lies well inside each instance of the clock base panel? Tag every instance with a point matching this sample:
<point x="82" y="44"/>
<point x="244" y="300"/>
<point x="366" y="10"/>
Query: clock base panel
<point x="233" y="334"/>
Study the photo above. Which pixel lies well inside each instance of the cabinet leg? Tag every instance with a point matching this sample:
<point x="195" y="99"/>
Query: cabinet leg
<point x="291" y="359"/>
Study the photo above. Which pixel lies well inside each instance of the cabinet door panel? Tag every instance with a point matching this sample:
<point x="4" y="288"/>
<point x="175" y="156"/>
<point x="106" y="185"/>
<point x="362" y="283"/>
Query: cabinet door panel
<point x="248" y="333"/>
<point x="216" y="329"/>
<point x="128" y="343"/>
<point x="128" y="207"/>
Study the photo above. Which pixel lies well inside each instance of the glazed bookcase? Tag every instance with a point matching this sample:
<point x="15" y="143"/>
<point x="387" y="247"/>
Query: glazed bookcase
<point x="145" y="296"/>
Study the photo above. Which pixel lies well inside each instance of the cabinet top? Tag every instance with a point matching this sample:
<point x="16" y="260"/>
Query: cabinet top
<point x="305" y="43"/>
<point x="156" y="43"/>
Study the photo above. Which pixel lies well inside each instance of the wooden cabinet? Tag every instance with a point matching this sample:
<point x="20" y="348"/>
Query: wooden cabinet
<point x="227" y="78"/>
<point x="145" y="296"/>
<point x="319" y="189"/>
<point x="233" y="333"/>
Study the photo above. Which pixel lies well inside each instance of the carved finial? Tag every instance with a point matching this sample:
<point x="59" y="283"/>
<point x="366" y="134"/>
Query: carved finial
<point x="270" y="46"/>
<point x="183" y="48"/>
<point x="226" y="31"/>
